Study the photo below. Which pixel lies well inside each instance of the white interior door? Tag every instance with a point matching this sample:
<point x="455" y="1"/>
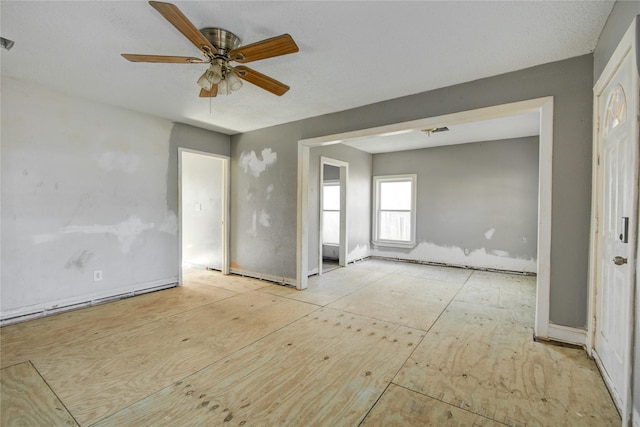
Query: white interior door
<point x="617" y="102"/>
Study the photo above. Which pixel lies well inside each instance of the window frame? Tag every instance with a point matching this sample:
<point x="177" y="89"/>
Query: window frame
<point x="377" y="181"/>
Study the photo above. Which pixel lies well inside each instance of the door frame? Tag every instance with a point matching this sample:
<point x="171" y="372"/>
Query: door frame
<point x="225" y="208"/>
<point x="344" y="229"/>
<point x="627" y="44"/>
<point x="544" y="106"/>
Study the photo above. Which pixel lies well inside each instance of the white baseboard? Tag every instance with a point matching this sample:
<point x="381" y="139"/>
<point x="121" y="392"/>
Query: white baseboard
<point x="608" y="383"/>
<point x="52" y="307"/>
<point x="567" y="334"/>
<point x="359" y="259"/>
<point x="264" y="276"/>
<point x="447" y="264"/>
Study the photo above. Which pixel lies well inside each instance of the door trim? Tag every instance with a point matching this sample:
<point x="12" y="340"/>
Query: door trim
<point x="344" y="229"/>
<point x="544" y="106"/>
<point x="627" y="44"/>
<point x="225" y="211"/>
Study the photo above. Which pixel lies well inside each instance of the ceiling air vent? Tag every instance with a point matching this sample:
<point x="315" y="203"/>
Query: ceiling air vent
<point x="429" y="131"/>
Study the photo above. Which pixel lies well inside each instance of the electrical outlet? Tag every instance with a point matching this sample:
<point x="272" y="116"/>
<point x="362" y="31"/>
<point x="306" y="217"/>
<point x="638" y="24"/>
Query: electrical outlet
<point x="97" y="275"/>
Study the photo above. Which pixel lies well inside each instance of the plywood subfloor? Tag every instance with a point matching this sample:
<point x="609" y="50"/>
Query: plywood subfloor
<point x="409" y="301"/>
<point x="28" y="401"/>
<point x="483" y="360"/>
<point x="376" y="343"/>
<point x="329" y="265"/>
<point x="120" y="369"/>
<point x="400" y="407"/>
<point x="233" y="283"/>
<point x="304" y="374"/>
<point x="329" y="287"/>
<point x="36" y="338"/>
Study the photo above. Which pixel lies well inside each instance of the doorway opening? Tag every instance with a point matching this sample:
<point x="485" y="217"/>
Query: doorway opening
<point x="203" y="194"/>
<point x="332" y="236"/>
<point x="544" y="107"/>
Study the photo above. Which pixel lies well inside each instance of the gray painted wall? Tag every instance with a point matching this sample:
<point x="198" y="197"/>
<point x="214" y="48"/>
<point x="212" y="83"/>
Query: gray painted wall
<point x="476" y="203"/>
<point x="331" y="173"/>
<point x="569" y="81"/>
<point x="617" y="24"/>
<point x="202" y="208"/>
<point x="358" y="200"/>
<point x="85" y="187"/>
<point x="263" y="198"/>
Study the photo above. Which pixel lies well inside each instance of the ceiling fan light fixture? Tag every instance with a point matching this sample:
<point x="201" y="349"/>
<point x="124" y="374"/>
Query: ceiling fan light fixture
<point x="212" y="76"/>
<point x="233" y="81"/>
<point x="204" y="83"/>
<point x="223" y="88"/>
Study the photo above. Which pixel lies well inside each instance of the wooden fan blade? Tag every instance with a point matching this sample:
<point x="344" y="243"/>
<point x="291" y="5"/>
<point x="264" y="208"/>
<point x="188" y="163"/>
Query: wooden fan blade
<point x="161" y="58"/>
<point x="260" y="80"/>
<point x="172" y="14"/>
<point x="209" y="93"/>
<point x="276" y="46"/>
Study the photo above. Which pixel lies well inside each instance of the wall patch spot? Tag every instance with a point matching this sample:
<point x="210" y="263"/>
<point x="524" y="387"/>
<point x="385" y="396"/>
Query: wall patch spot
<point x="79" y="261"/>
<point x="500" y="253"/>
<point x="250" y="162"/>
<point x="126" y="232"/>
<point x="250" y="193"/>
<point x="269" y="191"/>
<point x="264" y="219"/>
<point x="253" y="231"/>
<point x="169" y="224"/>
<point x="489" y="234"/>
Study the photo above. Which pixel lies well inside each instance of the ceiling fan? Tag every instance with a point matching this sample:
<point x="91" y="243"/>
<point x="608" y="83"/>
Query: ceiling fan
<point x="220" y="48"/>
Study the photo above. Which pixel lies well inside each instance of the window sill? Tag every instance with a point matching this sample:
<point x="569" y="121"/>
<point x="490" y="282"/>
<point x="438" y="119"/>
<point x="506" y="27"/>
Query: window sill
<point x="392" y="244"/>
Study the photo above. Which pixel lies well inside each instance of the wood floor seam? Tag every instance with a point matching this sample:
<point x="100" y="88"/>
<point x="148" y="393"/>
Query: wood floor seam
<point x="448" y="403"/>
<point x="35" y="368"/>
<point x="374" y="404"/>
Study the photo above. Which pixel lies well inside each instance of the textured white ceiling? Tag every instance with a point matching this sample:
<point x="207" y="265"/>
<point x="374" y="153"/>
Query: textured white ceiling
<point x="351" y="53"/>
<point x="486" y="130"/>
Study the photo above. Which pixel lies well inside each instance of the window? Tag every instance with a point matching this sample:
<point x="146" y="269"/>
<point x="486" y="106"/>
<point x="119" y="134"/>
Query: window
<point x="331" y="213"/>
<point x="616" y="113"/>
<point x="394" y="218"/>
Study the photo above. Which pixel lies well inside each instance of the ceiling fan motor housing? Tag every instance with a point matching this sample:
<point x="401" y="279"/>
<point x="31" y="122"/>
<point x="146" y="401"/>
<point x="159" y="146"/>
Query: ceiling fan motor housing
<point x="223" y="40"/>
